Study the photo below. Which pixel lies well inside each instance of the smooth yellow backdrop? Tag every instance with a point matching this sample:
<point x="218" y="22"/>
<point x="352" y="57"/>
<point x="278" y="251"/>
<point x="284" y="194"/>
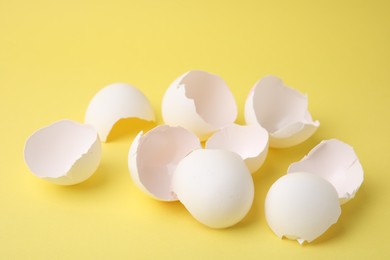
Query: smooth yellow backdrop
<point x="55" y="55"/>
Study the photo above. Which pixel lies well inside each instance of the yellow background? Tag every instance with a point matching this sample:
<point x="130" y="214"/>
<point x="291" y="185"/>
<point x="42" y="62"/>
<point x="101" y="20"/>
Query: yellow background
<point x="55" y="55"/>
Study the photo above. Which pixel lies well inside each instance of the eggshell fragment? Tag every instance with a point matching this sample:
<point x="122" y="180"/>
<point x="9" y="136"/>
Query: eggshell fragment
<point x="64" y="152"/>
<point x="281" y="110"/>
<point x="249" y="141"/>
<point x="301" y="206"/>
<point x="200" y="102"/>
<point x="153" y="158"/>
<point x="114" y="102"/>
<point x="215" y="186"/>
<point x="336" y="162"/>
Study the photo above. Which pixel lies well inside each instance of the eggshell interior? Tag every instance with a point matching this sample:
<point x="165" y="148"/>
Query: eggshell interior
<point x="336" y="162"/>
<point x="301" y="206"/>
<point x="200" y="102"/>
<point x="153" y="158"/>
<point x="64" y="152"/>
<point x="114" y="102"/>
<point x="281" y="110"/>
<point x="215" y="186"/>
<point x="249" y="141"/>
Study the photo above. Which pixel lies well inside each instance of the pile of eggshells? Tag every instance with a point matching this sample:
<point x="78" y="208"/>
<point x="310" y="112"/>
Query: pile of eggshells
<point x="214" y="183"/>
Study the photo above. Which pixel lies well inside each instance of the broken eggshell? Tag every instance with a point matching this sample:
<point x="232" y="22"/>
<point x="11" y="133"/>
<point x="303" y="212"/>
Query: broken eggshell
<point x="114" y="102"/>
<point x="249" y="141"/>
<point x="153" y="158"/>
<point x="336" y="162"/>
<point x="215" y="186"/>
<point x="281" y="110"/>
<point x="301" y="206"/>
<point x="200" y="102"/>
<point x="65" y="152"/>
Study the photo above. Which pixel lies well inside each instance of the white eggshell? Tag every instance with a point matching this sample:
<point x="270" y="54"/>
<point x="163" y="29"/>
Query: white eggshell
<point x="153" y="158"/>
<point x="249" y="141"/>
<point x="200" y="102"/>
<point x="301" y="206"/>
<point x="281" y="110"/>
<point x="114" y="102"/>
<point x="215" y="186"/>
<point x="65" y="152"/>
<point x="336" y="162"/>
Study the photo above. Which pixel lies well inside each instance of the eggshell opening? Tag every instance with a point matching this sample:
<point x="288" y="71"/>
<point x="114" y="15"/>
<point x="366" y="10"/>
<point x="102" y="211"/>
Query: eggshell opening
<point x="215" y="186"/>
<point x="153" y="157"/>
<point x="64" y="152"/>
<point x="281" y="110"/>
<point x="336" y="162"/>
<point x="301" y="206"/>
<point x="200" y="102"/>
<point x="249" y="141"/>
<point x="129" y="126"/>
<point x="114" y="102"/>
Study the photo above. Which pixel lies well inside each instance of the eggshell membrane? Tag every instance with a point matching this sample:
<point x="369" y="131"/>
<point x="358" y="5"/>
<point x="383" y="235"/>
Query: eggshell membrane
<point x="65" y="152"/>
<point x="281" y="110"/>
<point x="114" y="102"/>
<point x="301" y="206"/>
<point x="249" y="141"/>
<point x="215" y="186"/>
<point x="336" y="162"/>
<point x="153" y="158"/>
<point x="200" y="102"/>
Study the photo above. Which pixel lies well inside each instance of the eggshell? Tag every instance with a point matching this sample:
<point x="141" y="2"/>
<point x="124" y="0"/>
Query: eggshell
<point x="301" y="206"/>
<point x="200" y="102"/>
<point x="215" y="186"/>
<point x="250" y="142"/>
<point x="336" y="162"/>
<point x="65" y="152"/>
<point x="281" y="110"/>
<point x="153" y="158"/>
<point x="114" y="102"/>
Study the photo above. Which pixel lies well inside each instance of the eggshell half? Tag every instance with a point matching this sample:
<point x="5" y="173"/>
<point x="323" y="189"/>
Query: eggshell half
<point x="153" y="158"/>
<point x="301" y="206"/>
<point x="336" y="162"/>
<point x="65" y="152"/>
<point x="249" y="141"/>
<point x="281" y="110"/>
<point x="200" y="102"/>
<point x="215" y="186"/>
<point x="114" y="102"/>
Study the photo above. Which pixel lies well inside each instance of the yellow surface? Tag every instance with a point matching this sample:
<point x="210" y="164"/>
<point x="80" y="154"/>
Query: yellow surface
<point x="55" y="55"/>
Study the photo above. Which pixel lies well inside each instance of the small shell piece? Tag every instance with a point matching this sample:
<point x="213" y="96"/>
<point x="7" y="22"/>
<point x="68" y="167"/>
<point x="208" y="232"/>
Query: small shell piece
<point x="153" y="158"/>
<point x="215" y="186"/>
<point x="336" y="162"/>
<point x="301" y="206"/>
<point x="200" y="102"/>
<point x="114" y="102"/>
<point x="281" y="110"/>
<point x="249" y="141"/>
<point x="65" y="152"/>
